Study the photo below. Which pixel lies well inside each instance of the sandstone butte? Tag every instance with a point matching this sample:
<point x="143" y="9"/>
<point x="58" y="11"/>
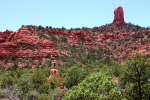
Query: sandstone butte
<point x="26" y="42"/>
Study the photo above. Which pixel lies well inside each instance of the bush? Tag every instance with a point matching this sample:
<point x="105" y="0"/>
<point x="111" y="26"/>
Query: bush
<point x="74" y="76"/>
<point x="33" y="95"/>
<point x="38" y="78"/>
<point x="53" y="83"/>
<point x="44" y="89"/>
<point x="6" y="80"/>
<point x="96" y="87"/>
<point x="136" y="36"/>
<point x="44" y="96"/>
<point x="2" y="93"/>
<point x="25" y="83"/>
<point x="14" y="67"/>
<point x="58" y="93"/>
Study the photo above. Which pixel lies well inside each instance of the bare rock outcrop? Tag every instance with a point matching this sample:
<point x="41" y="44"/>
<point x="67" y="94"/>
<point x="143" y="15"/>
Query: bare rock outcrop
<point x="45" y="44"/>
<point x="24" y="43"/>
<point x="28" y="40"/>
<point x="6" y="36"/>
<point x="119" y="17"/>
<point x="7" y="49"/>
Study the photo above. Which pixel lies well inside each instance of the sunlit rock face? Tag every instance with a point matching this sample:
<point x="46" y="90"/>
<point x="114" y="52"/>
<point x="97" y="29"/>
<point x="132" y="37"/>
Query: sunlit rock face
<point x="16" y="43"/>
<point x="119" y="17"/>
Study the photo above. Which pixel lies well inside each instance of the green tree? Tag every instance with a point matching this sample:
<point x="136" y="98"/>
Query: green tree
<point x="135" y="75"/>
<point x="74" y="76"/>
<point x="38" y="78"/>
<point x="25" y="83"/>
<point x="98" y="86"/>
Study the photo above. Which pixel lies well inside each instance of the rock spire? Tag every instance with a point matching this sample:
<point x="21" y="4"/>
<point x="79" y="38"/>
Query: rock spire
<point x="119" y="17"/>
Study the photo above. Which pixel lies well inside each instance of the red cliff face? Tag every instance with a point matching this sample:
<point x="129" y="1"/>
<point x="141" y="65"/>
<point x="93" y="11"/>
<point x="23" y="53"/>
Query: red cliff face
<point x="23" y="43"/>
<point x="119" y="17"/>
<point x="7" y="49"/>
<point x="6" y="36"/>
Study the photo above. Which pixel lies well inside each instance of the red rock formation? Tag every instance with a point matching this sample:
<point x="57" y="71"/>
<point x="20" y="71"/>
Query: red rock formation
<point x="4" y="53"/>
<point x="2" y="39"/>
<point x="77" y="36"/>
<point x="43" y="52"/>
<point x="6" y="36"/>
<point x="119" y="17"/>
<point x="56" y="32"/>
<point x="45" y="44"/>
<point x="9" y="46"/>
<point x="88" y="40"/>
<point x="72" y="40"/>
<point x="121" y="36"/>
<point x="22" y="53"/>
<point x="7" y="49"/>
<point x="22" y="32"/>
<point x="28" y="40"/>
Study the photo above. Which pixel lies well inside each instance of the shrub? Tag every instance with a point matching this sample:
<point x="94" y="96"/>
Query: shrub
<point x="53" y="83"/>
<point x="74" y="76"/>
<point x="33" y="95"/>
<point x="38" y="78"/>
<point x="44" y="96"/>
<point x="6" y="80"/>
<point x="44" y="89"/>
<point x="25" y="83"/>
<point x="96" y="87"/>
<point x="58" y="93"/>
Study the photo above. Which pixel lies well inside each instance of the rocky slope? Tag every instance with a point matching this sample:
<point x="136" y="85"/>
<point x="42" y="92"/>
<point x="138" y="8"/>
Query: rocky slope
<point x="117" y="40"/>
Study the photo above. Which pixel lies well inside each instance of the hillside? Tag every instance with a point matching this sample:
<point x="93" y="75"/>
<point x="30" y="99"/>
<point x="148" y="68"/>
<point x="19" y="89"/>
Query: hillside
<point x="109" y="62"/>
<point x="75" y="45"/>
<point x="35" y="45"/>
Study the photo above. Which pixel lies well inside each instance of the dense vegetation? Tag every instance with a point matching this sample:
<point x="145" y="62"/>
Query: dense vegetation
<point x="91" y="82"/>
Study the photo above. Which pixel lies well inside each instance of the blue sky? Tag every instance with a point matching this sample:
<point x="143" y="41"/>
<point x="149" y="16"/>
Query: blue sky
<point x="70" y="13"/>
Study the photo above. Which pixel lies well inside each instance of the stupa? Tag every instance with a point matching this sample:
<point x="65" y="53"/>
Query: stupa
<point x="54" y="73"/>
